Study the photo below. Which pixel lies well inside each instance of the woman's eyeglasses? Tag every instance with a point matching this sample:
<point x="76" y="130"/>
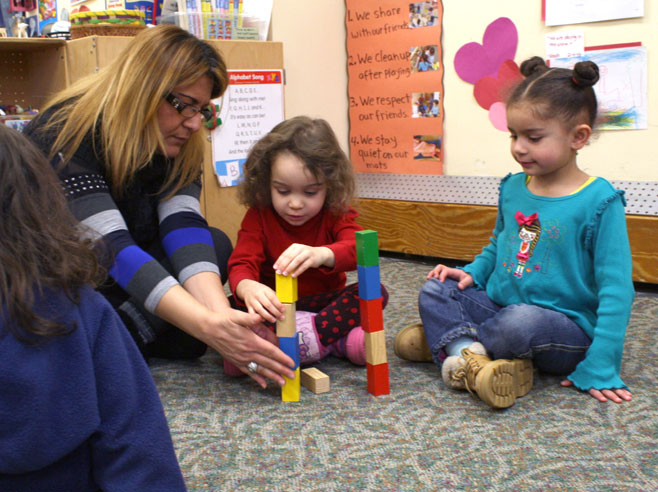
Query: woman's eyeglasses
<point x="189" y="111"/>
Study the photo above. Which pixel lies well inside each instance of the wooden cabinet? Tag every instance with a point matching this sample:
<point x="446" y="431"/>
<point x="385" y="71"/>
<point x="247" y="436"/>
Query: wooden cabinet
<point x="31" y="70"/>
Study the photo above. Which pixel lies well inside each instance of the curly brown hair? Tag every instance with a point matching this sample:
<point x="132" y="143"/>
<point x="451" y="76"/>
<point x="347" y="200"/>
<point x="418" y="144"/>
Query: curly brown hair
<point x="40" y="242"/>
<point x="314" y="142"/>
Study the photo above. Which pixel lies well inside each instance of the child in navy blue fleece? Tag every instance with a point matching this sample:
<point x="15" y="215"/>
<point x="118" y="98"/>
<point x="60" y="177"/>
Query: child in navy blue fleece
<point x="78" y="407"/>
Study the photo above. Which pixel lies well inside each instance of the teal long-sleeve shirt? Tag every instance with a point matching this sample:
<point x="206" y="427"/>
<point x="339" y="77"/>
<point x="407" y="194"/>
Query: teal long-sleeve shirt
<point x="573" y="257"/>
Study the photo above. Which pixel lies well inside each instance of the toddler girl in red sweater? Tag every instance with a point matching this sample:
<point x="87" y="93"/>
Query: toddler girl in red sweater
<point x="298" y="185"/>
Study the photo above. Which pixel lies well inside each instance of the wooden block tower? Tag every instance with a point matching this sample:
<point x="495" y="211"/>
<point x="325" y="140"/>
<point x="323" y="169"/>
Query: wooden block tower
<point x="372" y="319"/>
<point x="286" y="330"/>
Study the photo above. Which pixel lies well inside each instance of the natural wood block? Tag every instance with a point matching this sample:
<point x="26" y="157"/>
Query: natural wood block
<point x="315" y="380"/>
<point x="287" y="327"/>
<point x="286" y="288"/>
<point x="376" y="347"/>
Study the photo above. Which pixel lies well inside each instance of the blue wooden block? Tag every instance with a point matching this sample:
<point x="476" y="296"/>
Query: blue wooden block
<point x="369" y="283"/>
<point x="290" y="347"/>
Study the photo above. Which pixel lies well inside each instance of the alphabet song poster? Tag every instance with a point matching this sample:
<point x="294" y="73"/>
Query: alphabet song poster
<point x="395" y="70"/>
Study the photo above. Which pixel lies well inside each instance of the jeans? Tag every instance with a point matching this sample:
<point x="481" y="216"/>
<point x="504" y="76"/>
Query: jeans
<point x="519" y="331"/>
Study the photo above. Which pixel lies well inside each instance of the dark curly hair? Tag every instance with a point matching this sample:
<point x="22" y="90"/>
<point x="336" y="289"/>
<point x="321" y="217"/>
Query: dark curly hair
<point x="558" y="92"/>
<point x="40" y="242"/>
<point x="314" y="142"/>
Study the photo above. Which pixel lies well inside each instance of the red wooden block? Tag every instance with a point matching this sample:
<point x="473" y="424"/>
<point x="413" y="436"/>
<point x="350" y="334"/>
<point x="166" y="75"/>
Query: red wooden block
<point x="378" y="379"/>
<point x="372" y="317"/>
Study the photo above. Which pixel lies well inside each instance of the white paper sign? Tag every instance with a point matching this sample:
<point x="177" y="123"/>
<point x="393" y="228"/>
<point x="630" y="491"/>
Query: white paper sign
<point x="250" y="108"/>
<point x="565" y="44"/>
<point x="561" y="12"/>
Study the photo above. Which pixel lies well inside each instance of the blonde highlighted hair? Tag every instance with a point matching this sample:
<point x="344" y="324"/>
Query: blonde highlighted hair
<point x="118" y="105"/>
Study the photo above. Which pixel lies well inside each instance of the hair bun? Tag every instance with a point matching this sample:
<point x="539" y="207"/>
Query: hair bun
<point x="533" y="65"/>
<point x="585" y="73"/>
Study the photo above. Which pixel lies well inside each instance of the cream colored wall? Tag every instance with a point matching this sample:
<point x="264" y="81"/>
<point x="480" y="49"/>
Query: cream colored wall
<point x="313" y="33"/>
<point x="313" y="36"/>
<point x="315" y="60"/>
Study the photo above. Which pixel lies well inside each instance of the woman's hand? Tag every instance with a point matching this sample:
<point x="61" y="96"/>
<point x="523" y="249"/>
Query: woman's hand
<point x="298" y="258"/>
<point x="441" y="272"/>
<point x="241" y="338"/>
<point x="617" y="395"/>
<point x="230" y="332"/>
<point x="260" y="299"/>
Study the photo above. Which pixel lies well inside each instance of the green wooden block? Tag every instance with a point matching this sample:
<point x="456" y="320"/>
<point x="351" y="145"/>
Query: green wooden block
<point x="367" y="248"/>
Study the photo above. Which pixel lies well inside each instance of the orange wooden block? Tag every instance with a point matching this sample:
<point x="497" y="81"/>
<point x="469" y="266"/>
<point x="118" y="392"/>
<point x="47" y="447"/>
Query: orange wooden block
<point x="378" y="379"/>
<point x="376" y="347"/>
<point x="372" y="316"/>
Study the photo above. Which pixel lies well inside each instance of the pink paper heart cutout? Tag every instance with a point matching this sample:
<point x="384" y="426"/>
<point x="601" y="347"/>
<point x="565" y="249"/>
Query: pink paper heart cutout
<point x="474" y="61"/>
<point x="498" y="116"/>
<point x="489" y="90"/>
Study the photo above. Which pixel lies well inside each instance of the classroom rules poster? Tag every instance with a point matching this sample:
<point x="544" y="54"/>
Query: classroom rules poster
<point x="395" y="86"/>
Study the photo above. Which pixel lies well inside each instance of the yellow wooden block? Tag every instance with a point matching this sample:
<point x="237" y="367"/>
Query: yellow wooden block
<point x="376" y="347"/>
<point x="290" y="390"/>
<point x="287" y="327"/>
<point x="286" y="288"/>
<point x="315" y="380"/>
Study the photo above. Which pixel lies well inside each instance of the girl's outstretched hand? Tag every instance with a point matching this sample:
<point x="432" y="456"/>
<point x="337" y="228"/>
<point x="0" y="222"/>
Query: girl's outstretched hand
<point x="441" y="272"/>
<point x="298" y="258"/>
<point x="260" y="299"/>
<point x="617" y="395"/>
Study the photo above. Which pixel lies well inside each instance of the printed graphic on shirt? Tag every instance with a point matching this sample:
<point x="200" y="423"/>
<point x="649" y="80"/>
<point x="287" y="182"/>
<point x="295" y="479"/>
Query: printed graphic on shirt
<point x="529" y="234"/>
<point x="522" y="256"/>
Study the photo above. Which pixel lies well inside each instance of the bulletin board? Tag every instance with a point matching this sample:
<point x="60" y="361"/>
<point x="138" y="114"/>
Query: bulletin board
<point x="395" y="75"/>
<point x="451" y="215"/>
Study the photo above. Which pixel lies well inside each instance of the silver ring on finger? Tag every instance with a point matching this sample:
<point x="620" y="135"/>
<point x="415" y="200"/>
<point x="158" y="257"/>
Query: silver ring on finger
<point x="252" y="367"/>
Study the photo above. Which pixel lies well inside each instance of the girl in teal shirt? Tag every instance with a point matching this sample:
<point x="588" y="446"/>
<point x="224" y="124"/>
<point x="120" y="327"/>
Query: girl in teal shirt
<point x="553" y="288"/>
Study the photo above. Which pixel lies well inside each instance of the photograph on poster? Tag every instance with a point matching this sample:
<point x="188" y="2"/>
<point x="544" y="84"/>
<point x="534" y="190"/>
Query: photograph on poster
<point x="422" y="14"/>
<point x="424" y="58"/>
<point x="425" y="104"/>
<point x="427" y="147"/>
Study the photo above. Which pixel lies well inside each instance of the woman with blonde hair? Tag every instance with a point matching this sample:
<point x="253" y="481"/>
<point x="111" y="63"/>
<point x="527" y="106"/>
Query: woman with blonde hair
<point x="127" y="149"/>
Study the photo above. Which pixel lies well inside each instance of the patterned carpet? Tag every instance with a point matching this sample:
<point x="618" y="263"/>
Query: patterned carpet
<point x="232" y="436"/>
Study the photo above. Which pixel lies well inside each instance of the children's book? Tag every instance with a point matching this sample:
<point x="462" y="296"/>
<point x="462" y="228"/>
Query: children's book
<point x="47" y="13"/>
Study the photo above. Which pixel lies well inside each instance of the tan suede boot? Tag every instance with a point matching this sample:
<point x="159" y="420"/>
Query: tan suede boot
<point x="453" y="370"/>
<point x="499" y="382"/>
<point x="410" y="344"/>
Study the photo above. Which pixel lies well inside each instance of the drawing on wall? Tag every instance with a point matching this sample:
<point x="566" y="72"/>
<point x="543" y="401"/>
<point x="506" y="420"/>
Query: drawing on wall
<point x="622" y="89"/>
<point x="491" y="68"/>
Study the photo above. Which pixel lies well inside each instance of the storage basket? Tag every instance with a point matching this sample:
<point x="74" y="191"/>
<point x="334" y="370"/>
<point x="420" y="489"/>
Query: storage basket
<point x="107" y="23"/>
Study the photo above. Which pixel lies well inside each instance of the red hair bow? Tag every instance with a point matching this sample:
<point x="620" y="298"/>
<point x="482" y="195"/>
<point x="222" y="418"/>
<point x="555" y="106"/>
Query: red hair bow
<point x="523" y="220"/>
